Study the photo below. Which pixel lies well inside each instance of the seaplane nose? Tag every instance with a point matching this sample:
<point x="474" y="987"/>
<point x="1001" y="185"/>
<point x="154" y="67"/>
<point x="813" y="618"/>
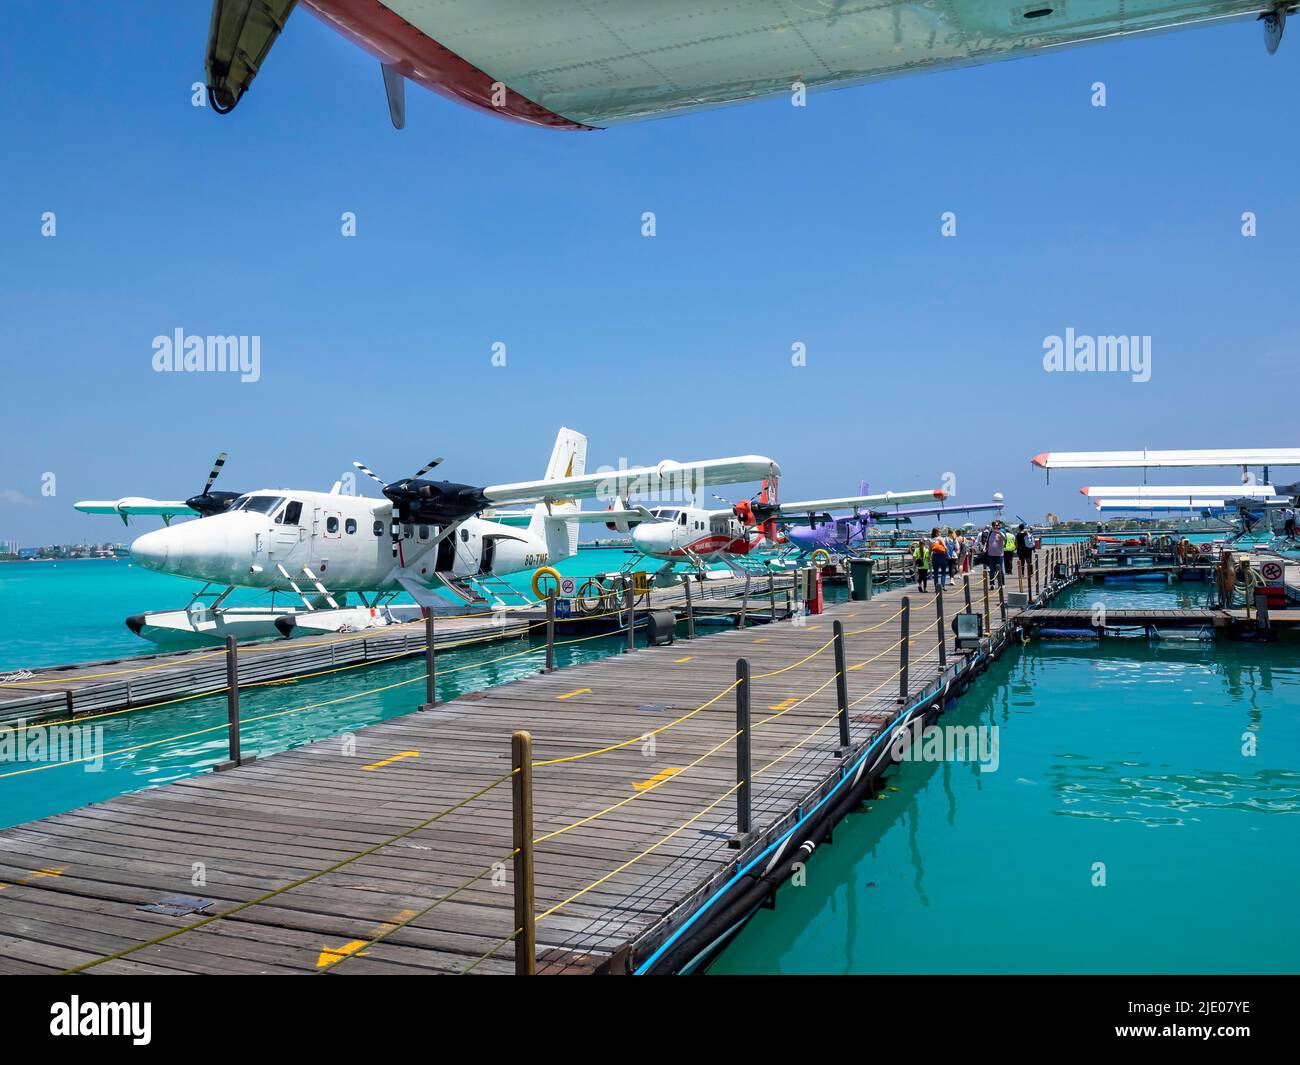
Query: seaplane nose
<point x="151" y="549"/>
<point x="648" y="539"/>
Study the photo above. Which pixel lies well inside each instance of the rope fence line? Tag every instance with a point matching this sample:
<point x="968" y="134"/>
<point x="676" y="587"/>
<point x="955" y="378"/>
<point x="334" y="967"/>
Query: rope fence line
<point x="267" y="896"/>
<point x="389" y="928"/>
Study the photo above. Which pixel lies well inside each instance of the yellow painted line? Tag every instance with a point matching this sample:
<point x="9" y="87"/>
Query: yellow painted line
<point x="390" y="761"/>
<point x="784" y="703"/>
<point x="662" y="775"/>
<point x="35" y="874"/>
<point x="681" y="660"/>
<point x="762" y="639"/>
<point x="576" y="691"/>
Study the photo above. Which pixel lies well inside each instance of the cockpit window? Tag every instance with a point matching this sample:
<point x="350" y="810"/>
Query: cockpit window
<point x="665" y="514"/>
<point x="291" y="513"/>
<point x="259" y="504"/>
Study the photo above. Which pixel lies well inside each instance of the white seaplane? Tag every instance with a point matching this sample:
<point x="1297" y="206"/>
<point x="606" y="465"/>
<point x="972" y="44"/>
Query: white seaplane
<point x="422" y="537"/>
<point x="696" y="536"/>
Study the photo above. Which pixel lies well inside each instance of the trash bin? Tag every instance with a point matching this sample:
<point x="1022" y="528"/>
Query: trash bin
<point x="860" y="577"/>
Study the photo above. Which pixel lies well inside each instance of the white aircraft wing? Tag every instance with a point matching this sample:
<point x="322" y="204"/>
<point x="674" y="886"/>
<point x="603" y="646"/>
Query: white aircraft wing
<point x="1179" y="491"/>
<point x="1159" y="504"/>
<point x="1114" y="460"/>
<point x="670" y="479"/>
<point x="881" y="499"/>
<point x="134" y="505"/>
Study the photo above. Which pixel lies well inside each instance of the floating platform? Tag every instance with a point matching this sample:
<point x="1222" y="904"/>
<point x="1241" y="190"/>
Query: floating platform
<point x="116" y="684"/>
<point x="394" y="855"/>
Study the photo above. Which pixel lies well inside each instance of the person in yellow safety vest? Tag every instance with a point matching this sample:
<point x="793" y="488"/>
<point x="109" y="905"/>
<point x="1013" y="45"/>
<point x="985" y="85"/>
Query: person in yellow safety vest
<point x="921" y="556"/>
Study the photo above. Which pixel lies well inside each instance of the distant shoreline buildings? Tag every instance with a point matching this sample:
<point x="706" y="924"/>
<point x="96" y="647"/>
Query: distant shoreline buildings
<point x="12" y="551"/>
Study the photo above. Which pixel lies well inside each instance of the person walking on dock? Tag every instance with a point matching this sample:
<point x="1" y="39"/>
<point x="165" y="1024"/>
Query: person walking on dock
<point x="996" y="548"/>
<point x="921" y="556"/>
<point x="1288" y="526"/>
<point x="938" y="558"/>
<point x="1024" y="548"/>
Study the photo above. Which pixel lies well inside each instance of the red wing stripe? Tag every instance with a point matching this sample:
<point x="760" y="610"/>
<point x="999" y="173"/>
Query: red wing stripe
<point x="393" y="40"/>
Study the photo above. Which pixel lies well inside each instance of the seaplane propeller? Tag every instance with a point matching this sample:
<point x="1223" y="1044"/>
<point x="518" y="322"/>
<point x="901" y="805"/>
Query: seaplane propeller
<point x="208" y="502"/>
<point x="416" y="499"/>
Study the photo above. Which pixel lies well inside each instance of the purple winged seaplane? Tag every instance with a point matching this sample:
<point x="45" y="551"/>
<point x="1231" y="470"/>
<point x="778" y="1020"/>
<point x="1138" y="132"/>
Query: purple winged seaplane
<point x="841" y="535"/>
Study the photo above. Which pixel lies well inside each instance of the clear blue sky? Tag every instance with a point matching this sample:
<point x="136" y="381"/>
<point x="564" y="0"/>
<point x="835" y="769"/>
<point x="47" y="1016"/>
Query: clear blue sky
<point x="775" y="225"/>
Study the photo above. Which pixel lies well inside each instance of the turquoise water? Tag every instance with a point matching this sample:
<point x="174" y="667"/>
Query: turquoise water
<point x="1128" y="754"/>
<point x="55" y="613"/>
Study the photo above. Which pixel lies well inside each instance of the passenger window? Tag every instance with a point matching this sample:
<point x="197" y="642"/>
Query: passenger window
<point x="682" y="520"/>
<point x="350" y="526"/>
<point x="292" y="513"/>
<point x="331" y="525"/>
<point x="464" y="536"/>
<point x="379" y="528"/>
<point x="424" y="532"/>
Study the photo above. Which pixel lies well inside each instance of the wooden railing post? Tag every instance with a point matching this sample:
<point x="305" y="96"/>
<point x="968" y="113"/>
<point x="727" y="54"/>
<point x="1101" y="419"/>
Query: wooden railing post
<point x="841" y="684"/>
<point x="521" y="761"/>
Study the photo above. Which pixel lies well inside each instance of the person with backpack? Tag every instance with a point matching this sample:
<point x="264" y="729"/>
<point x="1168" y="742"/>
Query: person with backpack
<point x="921" y="557"/>
<point x="938" y="558"/>
<point x="995" y="547"/>
<point x="1024" y="548"/>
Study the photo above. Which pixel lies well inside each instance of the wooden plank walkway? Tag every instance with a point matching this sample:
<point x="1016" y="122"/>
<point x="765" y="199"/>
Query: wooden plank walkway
<point x="626" y="839"/>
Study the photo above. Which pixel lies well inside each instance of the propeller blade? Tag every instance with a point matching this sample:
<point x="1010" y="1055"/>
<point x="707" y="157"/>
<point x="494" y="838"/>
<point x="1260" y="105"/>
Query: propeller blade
<point x="369" y="472"/>
<point x="427" y="467"/>
<point x="212" y="477"/>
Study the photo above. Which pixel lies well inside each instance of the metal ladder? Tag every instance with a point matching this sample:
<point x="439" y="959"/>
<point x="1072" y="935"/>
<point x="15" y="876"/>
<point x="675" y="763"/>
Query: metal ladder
<point x="321" y="590"/>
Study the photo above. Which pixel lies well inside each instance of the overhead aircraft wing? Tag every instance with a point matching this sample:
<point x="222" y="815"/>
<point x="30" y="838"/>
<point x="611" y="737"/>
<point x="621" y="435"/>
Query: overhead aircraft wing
<point x="566" y="65"/>
<point x="1115" y="460"/>
<point x="885" y="499"/>
<point x="668" y="479"/>
<point x="129" y="505"/>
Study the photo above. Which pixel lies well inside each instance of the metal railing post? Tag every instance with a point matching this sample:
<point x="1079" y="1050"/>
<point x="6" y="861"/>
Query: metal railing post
<point x="690" y="610"/>
<point x="550" y="631"/>
<point x="629" y="609"/>
<point x="521" y="791"/>
<point x="236" y="757"/>
<point x="742" y="747"/>
<point x="988" y="616"/>
<point x="902" y="649"/>
<point x="943" y="640"/>
<point x="841" y="684"/>
<point x="965" y="580"/>
<point x="430" y="662"/>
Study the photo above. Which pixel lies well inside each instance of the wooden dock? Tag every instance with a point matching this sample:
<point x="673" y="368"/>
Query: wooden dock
<point x="394" y="853"/>
<point x="58" y="692"/>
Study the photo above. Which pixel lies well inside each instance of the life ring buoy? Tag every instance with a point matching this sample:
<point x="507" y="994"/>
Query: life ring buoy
<point x="545" y="571"/>
<point x="821" y="557"/>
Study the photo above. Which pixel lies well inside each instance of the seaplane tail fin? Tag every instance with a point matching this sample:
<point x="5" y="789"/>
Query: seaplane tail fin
<point x="568" y="459"/>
